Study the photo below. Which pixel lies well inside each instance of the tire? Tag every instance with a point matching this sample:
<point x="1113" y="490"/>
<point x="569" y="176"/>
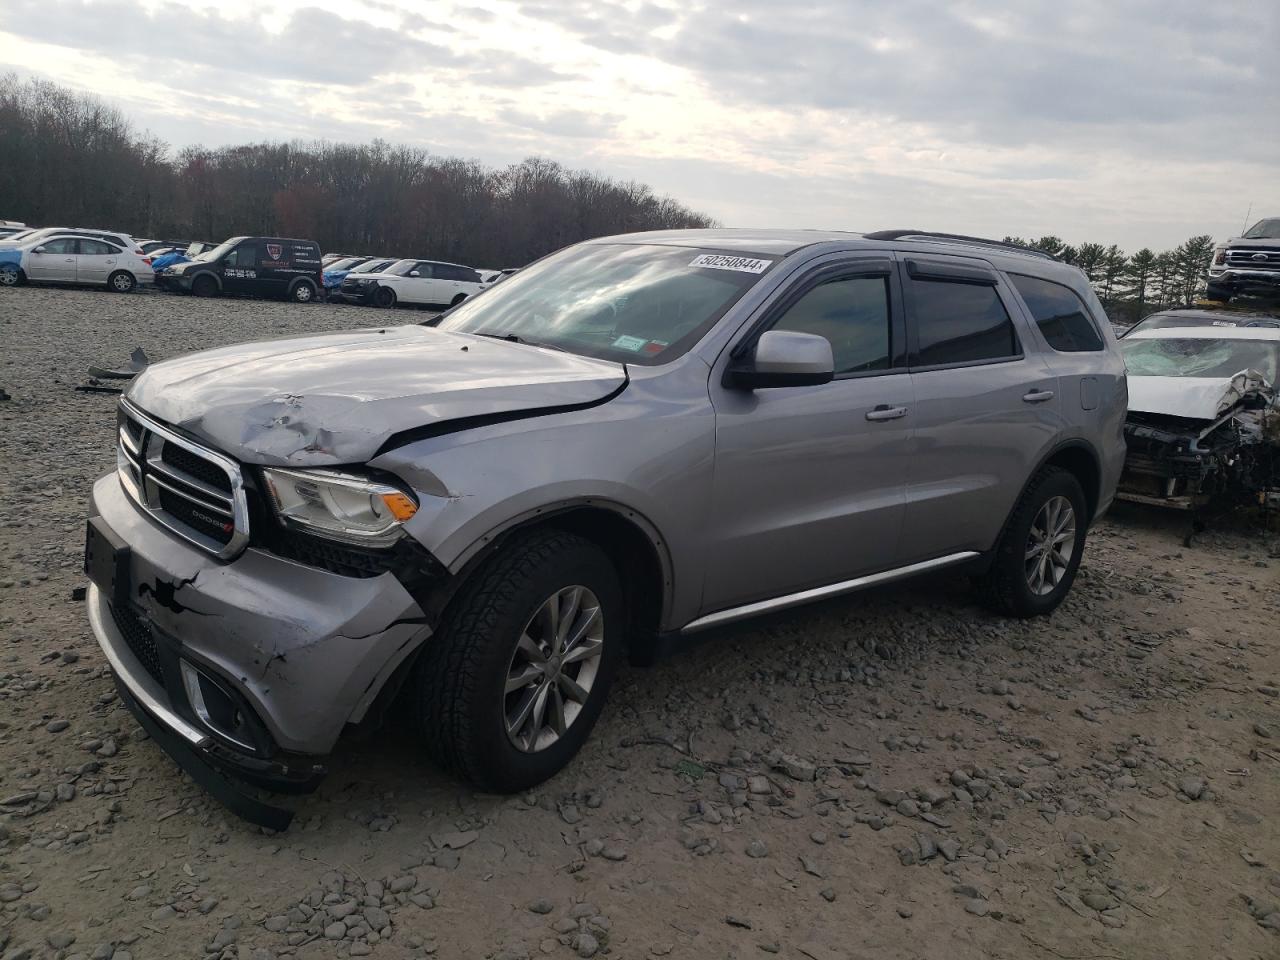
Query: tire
<point x="457" y="300"/>
<point x="459" y="690"/>
<point x="122" y="281"/>
<point x="302" y="292"/>
<point x="1222" y="294"/>
<point x="1011" y="584"/>
<point x="10" y="275"/>
<point x="204" y="286"/>
<point x="384" y="297"/>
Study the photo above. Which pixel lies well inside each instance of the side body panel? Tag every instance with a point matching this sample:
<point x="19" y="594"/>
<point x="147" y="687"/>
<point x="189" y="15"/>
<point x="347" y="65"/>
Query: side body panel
<point x="646" y="455"/>
<point x="978" y="437"/>
<point x="807" y="489"/>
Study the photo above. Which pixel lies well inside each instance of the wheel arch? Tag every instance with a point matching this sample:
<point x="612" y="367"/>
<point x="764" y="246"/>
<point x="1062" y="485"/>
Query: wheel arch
<point x="206" y="273"/>
<point x="633" y="543"/>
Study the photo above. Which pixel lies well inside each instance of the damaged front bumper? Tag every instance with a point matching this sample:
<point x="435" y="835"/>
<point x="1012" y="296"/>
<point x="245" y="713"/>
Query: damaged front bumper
<point x="251" y="668"/>
<point x="1187" y="464"/>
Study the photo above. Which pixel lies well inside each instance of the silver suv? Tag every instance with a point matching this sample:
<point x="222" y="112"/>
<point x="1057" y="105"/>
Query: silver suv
<point x="633" y="440"/>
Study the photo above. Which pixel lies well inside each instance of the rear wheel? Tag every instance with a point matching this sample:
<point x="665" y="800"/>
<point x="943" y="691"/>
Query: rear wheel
<point x="204" y="286"/>
<point x="121" y="282"/>
<point x="384" y="297"/>
<point x="1039" y="553"/>
<point x="302" y="292"/>
<point x="509" y="688"/>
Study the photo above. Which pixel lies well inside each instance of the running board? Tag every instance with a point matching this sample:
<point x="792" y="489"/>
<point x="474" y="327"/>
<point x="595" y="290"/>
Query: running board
<point x="821" y="593"/>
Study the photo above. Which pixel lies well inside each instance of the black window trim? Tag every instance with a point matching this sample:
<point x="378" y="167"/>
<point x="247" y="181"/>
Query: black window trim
<point x="1088" y="313"/>
<point x="913" y="340"/>
<point x="847" y="269"/>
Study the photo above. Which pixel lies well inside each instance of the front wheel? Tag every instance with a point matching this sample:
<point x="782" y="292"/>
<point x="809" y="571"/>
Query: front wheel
<point x="121" y="282"/>
<point x="384" y="297"/>
<point x="204" y="286"/>
<point x="457" y="300"/>
<point x="1039" y="553"/>
<point x="510" y="686"/>
<point x="10" y="275"/>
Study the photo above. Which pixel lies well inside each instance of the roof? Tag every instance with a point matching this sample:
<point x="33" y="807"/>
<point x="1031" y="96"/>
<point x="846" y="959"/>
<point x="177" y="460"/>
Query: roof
<point x="783" y="242"/>
<point x="1207" y="333"/>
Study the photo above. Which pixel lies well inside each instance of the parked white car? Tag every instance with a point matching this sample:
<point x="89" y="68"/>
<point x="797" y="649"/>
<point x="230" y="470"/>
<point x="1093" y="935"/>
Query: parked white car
<point x="75" y="257"/>
<point x="419" y="283"/>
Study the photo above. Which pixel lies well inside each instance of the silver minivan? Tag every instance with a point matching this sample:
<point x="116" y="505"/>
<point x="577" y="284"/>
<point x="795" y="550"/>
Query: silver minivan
<point x="629" y="442"/>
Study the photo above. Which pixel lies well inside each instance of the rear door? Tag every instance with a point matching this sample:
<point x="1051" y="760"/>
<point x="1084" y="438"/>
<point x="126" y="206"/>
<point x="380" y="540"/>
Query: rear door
<point x="986" y="404"/>
<point x="95" y="261"/>
<point x="240" y="268"/>
<point x="53" y="260"/>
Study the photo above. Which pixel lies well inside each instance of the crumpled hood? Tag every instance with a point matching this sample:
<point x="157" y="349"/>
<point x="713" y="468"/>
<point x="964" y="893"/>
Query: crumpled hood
<point x="1198" y="398"/>
<point x="335" y="398"/>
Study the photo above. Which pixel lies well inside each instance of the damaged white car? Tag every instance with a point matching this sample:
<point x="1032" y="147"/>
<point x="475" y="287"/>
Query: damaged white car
<point x="1204" y="417"/>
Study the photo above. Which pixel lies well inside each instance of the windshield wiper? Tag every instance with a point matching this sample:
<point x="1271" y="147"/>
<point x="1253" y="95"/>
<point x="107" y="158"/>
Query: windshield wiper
<point x="516" y="338"/>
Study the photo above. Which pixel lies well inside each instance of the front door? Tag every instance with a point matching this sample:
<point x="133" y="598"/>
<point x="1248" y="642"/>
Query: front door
<point x="809" y="482"/>
<point x="53" y="260"/>
<point x="986" y="405"/>
<point x="240" y="268"/>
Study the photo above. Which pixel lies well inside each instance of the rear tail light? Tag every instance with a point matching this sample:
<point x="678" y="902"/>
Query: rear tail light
<point x="146" y="260"/>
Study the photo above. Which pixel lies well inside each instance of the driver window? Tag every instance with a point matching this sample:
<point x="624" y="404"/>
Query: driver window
<point x="853" y="314"/>
<point x="245" y="255"/>
<point x="61" y="245"/>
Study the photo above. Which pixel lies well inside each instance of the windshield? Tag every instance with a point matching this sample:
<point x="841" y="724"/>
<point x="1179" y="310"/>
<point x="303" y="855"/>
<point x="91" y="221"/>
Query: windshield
<point x="641" y="304"/>
<point x="373" y="266"/>
<point x="344" y="264"/>
<point x="221" y="249"/>
<point x="1178" y="357"/>
<point x="1264" y="230"/>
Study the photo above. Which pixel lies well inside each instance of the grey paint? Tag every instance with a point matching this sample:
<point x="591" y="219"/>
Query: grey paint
<point x="748" y="497"/>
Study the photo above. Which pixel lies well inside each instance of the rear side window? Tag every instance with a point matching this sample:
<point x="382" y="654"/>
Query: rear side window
<point x="960" y="323"/>
<point x="1061" y="315"/>
<point x="96" y="248"/>
<point x="853" y="314"/>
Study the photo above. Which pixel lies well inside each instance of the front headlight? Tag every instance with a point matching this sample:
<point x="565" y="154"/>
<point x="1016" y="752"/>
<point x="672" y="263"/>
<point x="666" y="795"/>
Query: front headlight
<point x="340" y="506"/>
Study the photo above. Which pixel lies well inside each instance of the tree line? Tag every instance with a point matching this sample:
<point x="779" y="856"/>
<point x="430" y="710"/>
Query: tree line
<point x="68" y="158"/>
<point x="1132" y="286"/>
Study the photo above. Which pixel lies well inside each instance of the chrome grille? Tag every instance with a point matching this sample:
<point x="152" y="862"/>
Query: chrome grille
<point x="1245" y="259"/>
<point x="194" y="491"/>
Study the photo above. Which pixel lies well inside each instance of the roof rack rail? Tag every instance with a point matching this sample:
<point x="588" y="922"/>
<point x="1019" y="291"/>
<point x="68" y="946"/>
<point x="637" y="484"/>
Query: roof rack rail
<point x="959" y="237"/>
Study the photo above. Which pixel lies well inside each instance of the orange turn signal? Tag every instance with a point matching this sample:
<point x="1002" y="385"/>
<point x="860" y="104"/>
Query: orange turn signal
<point x="401" y="506"/>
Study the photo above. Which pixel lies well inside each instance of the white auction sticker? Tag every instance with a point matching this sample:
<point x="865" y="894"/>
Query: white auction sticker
<point x="719" y="261"/>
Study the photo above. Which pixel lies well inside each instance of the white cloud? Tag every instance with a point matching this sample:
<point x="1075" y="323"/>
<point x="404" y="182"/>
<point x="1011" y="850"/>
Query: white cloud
<point x="1136" y="123"/>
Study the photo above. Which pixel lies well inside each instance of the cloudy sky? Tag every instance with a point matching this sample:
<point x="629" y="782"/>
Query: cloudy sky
<point x="1138" y="122"/>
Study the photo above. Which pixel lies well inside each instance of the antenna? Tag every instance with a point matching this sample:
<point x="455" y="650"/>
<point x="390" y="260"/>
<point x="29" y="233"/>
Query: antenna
<point x="1245" y="226"/>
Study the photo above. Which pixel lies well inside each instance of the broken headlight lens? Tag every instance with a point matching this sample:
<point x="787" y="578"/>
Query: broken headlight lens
<point x="340" y="506"/>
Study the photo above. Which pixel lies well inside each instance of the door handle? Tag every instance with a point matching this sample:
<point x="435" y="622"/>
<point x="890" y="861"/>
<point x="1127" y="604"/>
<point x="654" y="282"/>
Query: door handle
<point x="1038" y="396"/>
<point x="885" y="412"/>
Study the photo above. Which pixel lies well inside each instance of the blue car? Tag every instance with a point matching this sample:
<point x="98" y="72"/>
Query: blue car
<point x="164" y="263"/>
<point x="337" y="271"/>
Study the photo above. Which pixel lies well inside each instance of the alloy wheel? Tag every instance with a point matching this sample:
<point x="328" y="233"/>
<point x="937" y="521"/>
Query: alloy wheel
<point x="1051" y="546"/>
<point x="553" y="668"/>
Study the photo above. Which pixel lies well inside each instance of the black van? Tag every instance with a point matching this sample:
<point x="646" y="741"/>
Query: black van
<point x="258" y="266"/>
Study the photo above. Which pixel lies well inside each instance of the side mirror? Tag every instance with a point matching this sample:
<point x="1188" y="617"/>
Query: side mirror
<point x="39" y="249"/>
<point x="784" y="358"/>
<point x="414" y="273"/>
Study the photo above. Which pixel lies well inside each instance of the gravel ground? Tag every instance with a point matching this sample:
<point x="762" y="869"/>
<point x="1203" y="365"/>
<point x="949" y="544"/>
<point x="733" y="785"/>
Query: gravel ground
<point x="893" y="775"/>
